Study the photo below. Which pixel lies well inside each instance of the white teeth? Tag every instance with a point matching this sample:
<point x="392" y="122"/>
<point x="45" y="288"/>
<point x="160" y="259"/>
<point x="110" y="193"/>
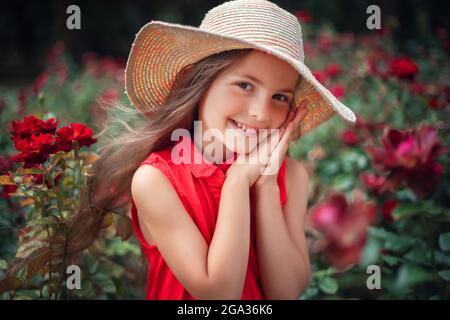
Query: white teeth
<point x="244" y="128"/>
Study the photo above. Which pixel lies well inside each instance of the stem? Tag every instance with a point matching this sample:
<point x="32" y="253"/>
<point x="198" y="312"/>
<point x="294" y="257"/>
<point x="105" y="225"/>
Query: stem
<point x="48" y="230"/>
<point x="52" y="183"/>
<point x="78" y="163"/>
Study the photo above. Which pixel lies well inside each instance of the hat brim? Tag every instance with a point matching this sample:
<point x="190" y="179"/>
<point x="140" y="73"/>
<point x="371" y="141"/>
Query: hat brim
<point x="162" y="49"/>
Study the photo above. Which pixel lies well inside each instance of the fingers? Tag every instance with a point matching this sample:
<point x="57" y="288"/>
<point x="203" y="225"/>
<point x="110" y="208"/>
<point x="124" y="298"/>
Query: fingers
<point x="299" y="114"/>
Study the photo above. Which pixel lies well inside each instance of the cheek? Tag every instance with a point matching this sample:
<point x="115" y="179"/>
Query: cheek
<point x="279" y="116"/>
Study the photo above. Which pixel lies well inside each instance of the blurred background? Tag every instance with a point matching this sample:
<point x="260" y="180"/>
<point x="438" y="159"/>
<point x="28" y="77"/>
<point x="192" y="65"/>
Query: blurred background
<point x="382" y="184"/>
<point x="28" y="29"/>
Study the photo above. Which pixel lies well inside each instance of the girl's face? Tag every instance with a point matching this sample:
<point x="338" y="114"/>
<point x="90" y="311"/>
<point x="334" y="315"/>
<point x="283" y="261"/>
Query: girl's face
<point x="252" y="94"/>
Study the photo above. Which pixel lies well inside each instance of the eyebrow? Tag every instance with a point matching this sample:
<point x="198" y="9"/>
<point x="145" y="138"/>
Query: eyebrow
<point x="260" y="82"/>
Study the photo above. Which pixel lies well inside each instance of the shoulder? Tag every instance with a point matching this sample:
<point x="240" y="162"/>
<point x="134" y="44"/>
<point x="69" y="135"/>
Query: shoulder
<point x="296" y="175"/>
<point x="146" y="179"/>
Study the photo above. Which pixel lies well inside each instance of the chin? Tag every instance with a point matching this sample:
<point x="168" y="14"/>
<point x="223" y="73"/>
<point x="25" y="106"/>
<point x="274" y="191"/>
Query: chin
<point x="237" y="141"/>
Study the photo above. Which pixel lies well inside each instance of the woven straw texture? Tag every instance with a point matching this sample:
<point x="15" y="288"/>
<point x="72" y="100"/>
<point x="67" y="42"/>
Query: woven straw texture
<point x="162" y="49"/>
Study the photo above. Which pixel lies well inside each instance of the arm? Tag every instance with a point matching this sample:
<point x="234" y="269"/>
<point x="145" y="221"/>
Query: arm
<point x="214" y="272"/>
<point x="281" y="245"/>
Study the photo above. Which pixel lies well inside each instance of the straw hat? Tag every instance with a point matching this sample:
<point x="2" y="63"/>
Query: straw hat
<point x="162" y="49"/>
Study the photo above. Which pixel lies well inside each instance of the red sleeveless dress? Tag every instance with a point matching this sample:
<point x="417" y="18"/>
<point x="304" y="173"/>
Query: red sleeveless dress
<point x="199" y="186"/>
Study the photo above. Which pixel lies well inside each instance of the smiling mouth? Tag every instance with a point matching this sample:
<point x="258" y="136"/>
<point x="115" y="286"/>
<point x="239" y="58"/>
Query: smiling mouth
<point x="244" y="129"/>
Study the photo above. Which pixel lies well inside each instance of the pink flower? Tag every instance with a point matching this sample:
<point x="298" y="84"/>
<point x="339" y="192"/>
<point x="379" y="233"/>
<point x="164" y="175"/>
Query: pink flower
<point x="407" y="155"/>
<point x="344" y="226"/>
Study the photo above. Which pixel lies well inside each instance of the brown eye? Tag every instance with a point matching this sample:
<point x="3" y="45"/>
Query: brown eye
<point x="243" y="83"/>
<point x="286" y="99"/>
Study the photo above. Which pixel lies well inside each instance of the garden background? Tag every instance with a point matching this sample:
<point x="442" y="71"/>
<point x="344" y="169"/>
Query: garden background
<point x="379" y="191"/>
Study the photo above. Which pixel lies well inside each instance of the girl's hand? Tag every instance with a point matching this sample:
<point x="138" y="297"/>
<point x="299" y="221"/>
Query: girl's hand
<point x="250" y="166"/>
<point x="290" y="131"/>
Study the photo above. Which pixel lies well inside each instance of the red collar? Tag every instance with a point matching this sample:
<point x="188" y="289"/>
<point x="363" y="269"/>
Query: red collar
<point x="202" y="167"/>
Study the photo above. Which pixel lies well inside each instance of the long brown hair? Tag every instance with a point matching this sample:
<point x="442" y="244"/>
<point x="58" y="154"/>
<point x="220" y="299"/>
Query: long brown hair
<point x="109" y="185"/>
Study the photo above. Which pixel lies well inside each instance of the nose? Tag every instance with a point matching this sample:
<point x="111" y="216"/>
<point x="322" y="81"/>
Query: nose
<point x="260" y="111"/>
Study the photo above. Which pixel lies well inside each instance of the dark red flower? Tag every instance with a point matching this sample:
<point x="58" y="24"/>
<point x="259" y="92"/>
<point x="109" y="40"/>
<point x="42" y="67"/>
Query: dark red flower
<point x="372" y="181"/>
<point x="349" y="137"/>
<point x="34" y="150"/>
<point x="32" y="126"/>
<point x="7" y="190"/>
<point x="76" y="132"/>
<point x="5" y="164"/>
<point x="333" y="69"/>
<point x="344" y="226"/>
<point x="303" y="15"/>
<point x="338" y="91"/>
<point x="435" y="103"/>
<point x="407" y="155"/>
<point x="387" y="208"/>
<point x="404" y="68"/>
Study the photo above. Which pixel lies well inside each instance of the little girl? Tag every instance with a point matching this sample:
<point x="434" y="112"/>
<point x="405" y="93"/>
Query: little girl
<point x="222" y="218"/>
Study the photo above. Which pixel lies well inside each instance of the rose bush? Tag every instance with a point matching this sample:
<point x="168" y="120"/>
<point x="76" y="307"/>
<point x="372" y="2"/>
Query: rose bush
<point x="378" y="190"/>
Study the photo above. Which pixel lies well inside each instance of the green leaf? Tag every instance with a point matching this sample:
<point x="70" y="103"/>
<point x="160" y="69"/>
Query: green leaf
<point x="404" y="210"/>
<point x="46" y="220"/>
<point x="410" y="275"/>
<point x="328" y="285"/>
<point x="309" y="293"/>
<point x="445" y="274"/>
<point x="343" y="182"/>
<point x="444" y="241"/>
<point x="105" y="283"/>
<point x="371" y="252"/>
<point x="3" y="264"/>
<point x="22" y="273"/>
<point x="391" y="260"/>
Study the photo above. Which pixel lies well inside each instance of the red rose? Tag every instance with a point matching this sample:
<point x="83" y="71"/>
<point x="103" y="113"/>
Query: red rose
<point x="34" y="150"/>
<point x="349" y="137"/>
<point x="333" y="69"/>
<point x="407" y="155"/>
<point x="76" y="132"/>
<point x="404" y="68"/>
<point x="32" y="125"/>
